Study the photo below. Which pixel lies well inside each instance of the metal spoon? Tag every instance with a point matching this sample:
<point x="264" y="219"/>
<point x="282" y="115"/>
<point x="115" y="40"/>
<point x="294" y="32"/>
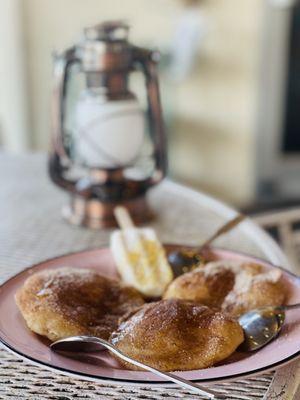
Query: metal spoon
<point x="263" y="325"/>
<point x="91" y="344"/>
<point x="182" y="261"/>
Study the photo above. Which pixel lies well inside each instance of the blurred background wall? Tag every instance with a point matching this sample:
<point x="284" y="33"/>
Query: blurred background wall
<point x="14" y="107"/>
<point x="211" y="114"/>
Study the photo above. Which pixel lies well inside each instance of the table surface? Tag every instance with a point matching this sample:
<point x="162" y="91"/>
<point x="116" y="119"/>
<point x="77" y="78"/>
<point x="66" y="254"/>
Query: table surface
<point x="31" y="230"/>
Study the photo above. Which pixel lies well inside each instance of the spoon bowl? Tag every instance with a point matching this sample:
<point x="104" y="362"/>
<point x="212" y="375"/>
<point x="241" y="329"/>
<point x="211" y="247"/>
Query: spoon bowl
<point x="260" y="327"/>
<point x="263" y="325"/>
<point x="76" y="344"/>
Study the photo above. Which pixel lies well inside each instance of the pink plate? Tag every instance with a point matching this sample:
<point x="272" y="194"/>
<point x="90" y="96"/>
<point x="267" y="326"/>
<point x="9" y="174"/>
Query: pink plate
<point x="15" y="336"/>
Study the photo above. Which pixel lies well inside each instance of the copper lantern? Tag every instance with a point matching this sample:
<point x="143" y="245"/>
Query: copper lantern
<point x="101" y="161"/>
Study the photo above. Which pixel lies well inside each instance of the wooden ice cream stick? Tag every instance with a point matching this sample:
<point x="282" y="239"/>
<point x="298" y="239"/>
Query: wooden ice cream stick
<point x="123" y="218"/>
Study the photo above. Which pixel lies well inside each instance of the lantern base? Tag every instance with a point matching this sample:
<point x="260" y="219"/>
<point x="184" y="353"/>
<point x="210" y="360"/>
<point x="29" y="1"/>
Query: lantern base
<point x="95" y="214"/>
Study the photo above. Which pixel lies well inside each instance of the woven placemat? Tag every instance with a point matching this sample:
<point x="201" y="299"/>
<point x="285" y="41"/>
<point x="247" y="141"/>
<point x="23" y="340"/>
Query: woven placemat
<point x="32" y="230"/>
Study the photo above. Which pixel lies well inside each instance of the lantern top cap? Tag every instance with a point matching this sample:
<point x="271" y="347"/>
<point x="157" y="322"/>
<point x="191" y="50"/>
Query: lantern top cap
<point x="108" y="31"/>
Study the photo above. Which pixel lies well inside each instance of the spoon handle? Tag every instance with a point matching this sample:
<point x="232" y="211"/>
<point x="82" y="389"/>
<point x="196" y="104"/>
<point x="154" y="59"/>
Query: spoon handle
<point x="166" y="375"/>
<point x="290" y="307"/>
<point x="224" y="229"/>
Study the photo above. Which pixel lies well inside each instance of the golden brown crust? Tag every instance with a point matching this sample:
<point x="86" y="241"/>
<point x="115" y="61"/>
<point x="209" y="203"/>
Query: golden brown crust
<point x="178" y="335"/>
<point x="68" y="301"/>
<point x="232" y="286"/>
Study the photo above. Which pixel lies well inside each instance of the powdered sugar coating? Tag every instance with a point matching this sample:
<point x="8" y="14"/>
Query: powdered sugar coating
<point x="71" y="301"/>
<point x="178" y="335"/>
<point x="231" y="285"/>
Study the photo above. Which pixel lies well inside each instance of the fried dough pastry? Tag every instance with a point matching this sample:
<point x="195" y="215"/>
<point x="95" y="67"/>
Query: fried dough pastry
<point x="174" y="335"/>
<point x="68" y="301"/>
<point x="232" y="286"/>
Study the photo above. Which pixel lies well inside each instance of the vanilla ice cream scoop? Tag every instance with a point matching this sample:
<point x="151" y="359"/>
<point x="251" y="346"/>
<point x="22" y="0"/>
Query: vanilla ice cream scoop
<point x="139" y="256"/>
